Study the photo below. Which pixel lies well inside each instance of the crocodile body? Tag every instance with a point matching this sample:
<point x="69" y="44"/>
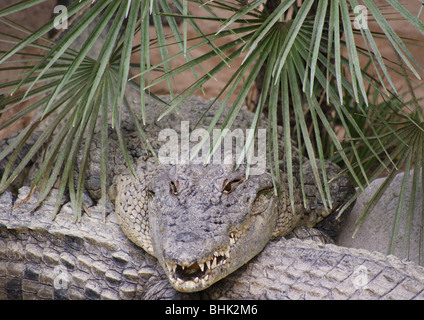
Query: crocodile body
<point x="45" y="259"/>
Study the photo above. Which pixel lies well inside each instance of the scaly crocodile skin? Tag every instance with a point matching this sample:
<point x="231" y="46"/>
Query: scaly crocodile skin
<point x="45" y="259"/>
<point x="61" y="259"/>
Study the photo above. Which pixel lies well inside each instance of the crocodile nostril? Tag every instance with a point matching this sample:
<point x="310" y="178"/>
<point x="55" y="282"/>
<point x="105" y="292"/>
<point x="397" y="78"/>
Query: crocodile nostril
<point x="187" y="237"/>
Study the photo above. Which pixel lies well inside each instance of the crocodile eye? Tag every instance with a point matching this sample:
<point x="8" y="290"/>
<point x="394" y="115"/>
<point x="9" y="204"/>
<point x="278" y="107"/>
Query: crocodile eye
<point x="230" y="185"/>
<point x="173" y="187"/>
<point x="150" y="194"/>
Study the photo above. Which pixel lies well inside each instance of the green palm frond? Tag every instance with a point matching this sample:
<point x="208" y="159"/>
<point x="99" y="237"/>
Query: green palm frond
<point x="305" y="52"/>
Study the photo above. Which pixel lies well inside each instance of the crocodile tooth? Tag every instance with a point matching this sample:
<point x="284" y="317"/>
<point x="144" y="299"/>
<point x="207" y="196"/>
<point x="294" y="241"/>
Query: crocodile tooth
<point x="213" y="263"/>
<point x="196" y="280"/>
<point x="183" y="267"/>
<point x="232" y="241"/>
<point x="202" y="266"/>
<point x="227" y="252"/>
<point x="171" y="267"/>
<point x="180" y="281"/>
<point x="190" y="284"/>
<point x="208" y="264"/>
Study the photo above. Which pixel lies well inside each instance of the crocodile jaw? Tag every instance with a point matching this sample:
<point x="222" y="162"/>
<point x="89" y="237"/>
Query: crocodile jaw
<point x="199" y="275"/>
<point x="243" y="244"/>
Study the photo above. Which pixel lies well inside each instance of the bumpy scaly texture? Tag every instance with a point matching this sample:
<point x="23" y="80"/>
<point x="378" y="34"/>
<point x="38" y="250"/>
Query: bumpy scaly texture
<point x="203" y="222"/>
<point x="45" y="259"/>
<point x="61" y="259"/>
<point x="296" y="269"/>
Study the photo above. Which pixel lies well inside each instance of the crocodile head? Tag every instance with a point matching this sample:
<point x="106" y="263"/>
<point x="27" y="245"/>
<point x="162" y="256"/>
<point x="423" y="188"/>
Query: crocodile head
<point x="207" y="221"/>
